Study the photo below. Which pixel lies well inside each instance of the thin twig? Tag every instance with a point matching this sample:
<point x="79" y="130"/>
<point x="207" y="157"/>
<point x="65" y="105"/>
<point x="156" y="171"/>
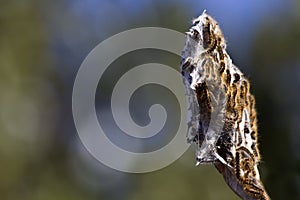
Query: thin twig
<point x="235" y="185"/>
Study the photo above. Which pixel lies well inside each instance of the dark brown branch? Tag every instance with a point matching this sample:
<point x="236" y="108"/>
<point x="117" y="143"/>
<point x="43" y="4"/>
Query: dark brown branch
<point x="236" y="186"/>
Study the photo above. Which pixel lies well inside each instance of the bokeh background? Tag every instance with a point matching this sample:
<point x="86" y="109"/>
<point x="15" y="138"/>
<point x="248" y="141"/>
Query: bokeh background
<point x="42" y="44"/>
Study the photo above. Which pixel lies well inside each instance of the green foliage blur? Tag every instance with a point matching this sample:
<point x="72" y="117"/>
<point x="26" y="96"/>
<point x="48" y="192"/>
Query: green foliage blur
<point x="42" y="44"/>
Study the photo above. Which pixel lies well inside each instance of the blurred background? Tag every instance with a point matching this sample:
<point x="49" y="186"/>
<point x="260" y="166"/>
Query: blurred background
<point x="42" y="45"/>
